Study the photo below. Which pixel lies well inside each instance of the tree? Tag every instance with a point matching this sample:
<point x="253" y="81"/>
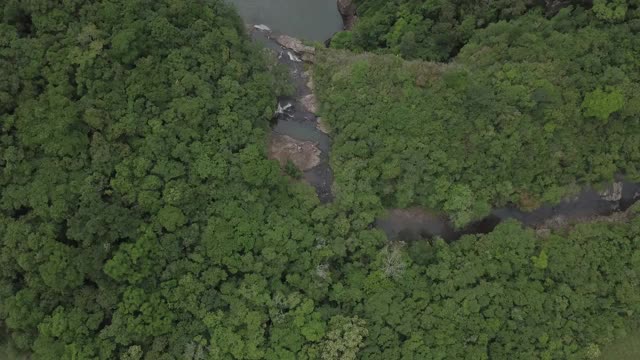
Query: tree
<point x="601" y="104"/>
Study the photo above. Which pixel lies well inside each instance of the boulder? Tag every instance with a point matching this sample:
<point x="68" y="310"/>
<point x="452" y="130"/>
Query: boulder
<point x="347" y="9"/>
<point x="613" y="193"/>
<point x="310" y="103"/>
<point x="294" y="44"/>
<point x="262" y="27"/>
<point x="307" y="57"/>
<point x="305" y="155"/>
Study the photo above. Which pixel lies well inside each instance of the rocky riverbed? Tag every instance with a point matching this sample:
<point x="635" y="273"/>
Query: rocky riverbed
<point x="298" y="136"/>
<point x="305" y="155"/>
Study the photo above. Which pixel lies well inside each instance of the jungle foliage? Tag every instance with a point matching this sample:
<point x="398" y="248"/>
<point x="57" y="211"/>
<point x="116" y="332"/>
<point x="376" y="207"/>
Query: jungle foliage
<point x="139" y="215"/>
<point x="529" y="111"/>
<point x="141" y="219"/>
<point x="437" y="29"/>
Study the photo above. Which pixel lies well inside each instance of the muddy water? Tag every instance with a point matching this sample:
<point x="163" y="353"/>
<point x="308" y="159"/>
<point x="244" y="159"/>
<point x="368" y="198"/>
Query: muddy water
<point x="414" y="224"/>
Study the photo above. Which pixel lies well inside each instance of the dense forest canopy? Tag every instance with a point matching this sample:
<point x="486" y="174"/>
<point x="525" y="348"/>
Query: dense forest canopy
<point x="528" y="112"/>
<point x="139" y="214"/>
<point x="438" y="29"/>
<point x="141" y="219"/>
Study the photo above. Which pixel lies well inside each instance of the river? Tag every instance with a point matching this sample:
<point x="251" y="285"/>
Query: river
<point x="318" y="20"/>
<point x="309" y="20"/>
<point x="415" y="223"/>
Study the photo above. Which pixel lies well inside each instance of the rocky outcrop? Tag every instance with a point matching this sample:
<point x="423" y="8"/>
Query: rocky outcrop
<point x="305" y="155"/>
<point x="310" y="58"/>
<point x="307" y="53"/>
<point x="294" y="44"/>
<point x="613" y="193"/>
<point x="309" y="77"/>
<point x="310" y="103"/>
<point x="347" y="9"/>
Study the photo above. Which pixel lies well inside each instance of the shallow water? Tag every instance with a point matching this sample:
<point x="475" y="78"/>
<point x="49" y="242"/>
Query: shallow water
<point x="315" y="20"/>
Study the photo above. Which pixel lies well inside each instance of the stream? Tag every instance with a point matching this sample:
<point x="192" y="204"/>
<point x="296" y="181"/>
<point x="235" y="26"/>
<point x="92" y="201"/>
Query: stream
<point x="414" y="223"/>
<point x="296" y="131"/>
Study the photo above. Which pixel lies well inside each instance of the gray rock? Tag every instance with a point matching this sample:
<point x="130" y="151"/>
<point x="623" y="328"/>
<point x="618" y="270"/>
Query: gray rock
<point x="309" y="77"/>
<point x="613" y="193"/>
<point x="262" y="27"/>
<point x="305" y="155"/>
<point x="347" y="7"/>
<point x="310" y="103"/>
<point x="307" y="57"/>
<point x="294" y="44"/>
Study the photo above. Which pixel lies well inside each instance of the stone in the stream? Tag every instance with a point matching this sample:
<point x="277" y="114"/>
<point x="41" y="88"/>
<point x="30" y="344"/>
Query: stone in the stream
<point x="294" y="44"/>
<point x="310" y="103"/>
<point x="323" y="126"/>
<point x="613" y="193"/>
<point x="304" y="155"/>
<point x="347" y="7"/>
